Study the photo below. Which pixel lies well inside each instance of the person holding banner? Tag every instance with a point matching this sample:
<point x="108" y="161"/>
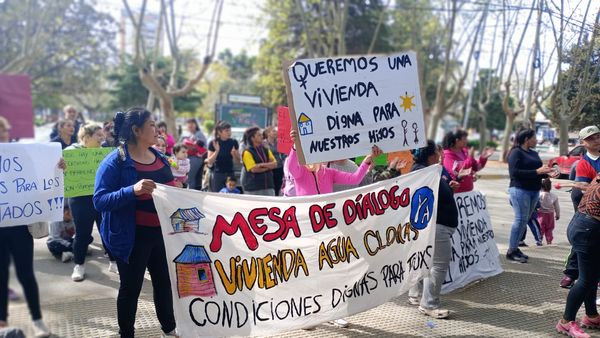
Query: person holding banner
<point x="457" y="159"/>
<point x="82" y="208"/>
<point x="526" y="172"/>
<point x="446" y="223"/>
<point x="17" y="242"/>
<point x="317" y="179"/>
<point x="258" y="164"/>
<point x="130" y="225"/>
<point x="222" y="153"/>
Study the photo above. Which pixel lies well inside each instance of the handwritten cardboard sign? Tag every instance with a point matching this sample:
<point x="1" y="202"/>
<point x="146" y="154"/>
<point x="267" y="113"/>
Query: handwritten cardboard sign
<point x="342" y="106"/>
<point x="82" y="165"/>
<point x="31" y="184"/>
<point x="284" y="125"/>
<point x="474" y="250"/>
<point x="275" y="264"/>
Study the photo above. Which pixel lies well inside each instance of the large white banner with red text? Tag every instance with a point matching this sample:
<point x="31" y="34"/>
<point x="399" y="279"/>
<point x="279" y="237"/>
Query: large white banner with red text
<point x="252" y="265"/>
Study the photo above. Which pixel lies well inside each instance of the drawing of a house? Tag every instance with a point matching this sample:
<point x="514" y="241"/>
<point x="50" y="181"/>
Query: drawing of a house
<point x="194" y="272"/>
<point x="305" y="126"/>
<point x="186" y="220"/>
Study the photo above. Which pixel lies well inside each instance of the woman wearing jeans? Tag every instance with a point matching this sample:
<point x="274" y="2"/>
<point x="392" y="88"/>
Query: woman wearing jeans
<point x="446" y="223"/>
<point x="130" y="226"/>
<point x="583" y="233"/>
<point x="526" y="172"/>
<point x="82" y="208"/>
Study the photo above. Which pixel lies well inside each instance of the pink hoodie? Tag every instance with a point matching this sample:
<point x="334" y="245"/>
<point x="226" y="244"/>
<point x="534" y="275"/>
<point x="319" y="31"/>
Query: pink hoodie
<point x="310" y="183"/>
<point x="464" y="162"/>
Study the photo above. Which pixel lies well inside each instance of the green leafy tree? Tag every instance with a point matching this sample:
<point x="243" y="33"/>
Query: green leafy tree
<point x="63" y="45"/>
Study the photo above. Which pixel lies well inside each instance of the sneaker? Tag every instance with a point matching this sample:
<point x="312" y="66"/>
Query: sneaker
<point x="549" y="242"/>
<point x="435" y="313"/>
<point x="66" y="256"/>
<point x="78" y="273"/>
<point x="340" y="323"/>
<point x="523" y="244"/>
<point x="40" y="330"/>
<point x="566" y="282"/>
<point x="13" y="295"/>
<point x="538" y="243"/>
<point x="590" y="323"/>
<point x="414" y="301"/>
<point x="513" y="256"/>
<point x="571" y="329"/>
<point x="112" y="267"/>
<point x="522" y="254"/>
<point x="170" y="334"/>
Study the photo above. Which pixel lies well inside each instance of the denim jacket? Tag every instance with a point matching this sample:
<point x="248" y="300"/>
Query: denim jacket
<point x="115" y="199"/>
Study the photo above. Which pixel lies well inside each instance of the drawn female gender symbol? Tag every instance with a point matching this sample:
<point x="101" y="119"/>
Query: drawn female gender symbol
<point x="416" y="131"/>
<point x="404" y="126"/>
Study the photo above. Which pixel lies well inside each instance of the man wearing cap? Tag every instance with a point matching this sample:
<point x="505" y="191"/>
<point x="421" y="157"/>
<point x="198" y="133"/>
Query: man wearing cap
<point x="586" y="170"/>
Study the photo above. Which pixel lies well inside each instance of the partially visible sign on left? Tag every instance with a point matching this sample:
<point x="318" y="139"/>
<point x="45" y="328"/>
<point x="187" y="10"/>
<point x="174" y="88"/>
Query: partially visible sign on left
<point x="31" y="184"/>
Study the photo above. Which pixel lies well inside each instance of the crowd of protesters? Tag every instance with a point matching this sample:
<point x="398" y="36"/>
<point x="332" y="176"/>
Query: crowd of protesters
<point x="146" y="154"/>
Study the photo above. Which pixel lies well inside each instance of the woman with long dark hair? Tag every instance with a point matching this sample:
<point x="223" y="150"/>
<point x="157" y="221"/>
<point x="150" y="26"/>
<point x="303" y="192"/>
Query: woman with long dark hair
<point x="130" y="225"/>
<point x="526" y="172"/>
<point x="222" y="153"/>
<point x="446" y="223"/>
<point x="460" y="161"/>
<point x="258" y="164"/>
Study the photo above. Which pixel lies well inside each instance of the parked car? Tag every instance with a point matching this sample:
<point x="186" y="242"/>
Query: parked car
<point x="564" y="163"/>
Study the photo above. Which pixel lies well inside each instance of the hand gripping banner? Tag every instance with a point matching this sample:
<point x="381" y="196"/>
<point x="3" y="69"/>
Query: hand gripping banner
<point x="254" y="265"/>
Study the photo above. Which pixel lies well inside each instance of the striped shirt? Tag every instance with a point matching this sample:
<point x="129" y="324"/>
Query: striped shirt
<point x="145" y="211"/>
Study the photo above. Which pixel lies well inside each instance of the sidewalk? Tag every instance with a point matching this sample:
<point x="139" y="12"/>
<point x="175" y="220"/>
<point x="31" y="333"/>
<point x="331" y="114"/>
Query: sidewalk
<point x="524" y="301"/>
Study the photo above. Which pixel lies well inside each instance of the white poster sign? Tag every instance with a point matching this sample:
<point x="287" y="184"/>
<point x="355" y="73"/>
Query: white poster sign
<point x="31" y="185"/>
<point x="254" y="265"/>
<point x="474" y="250"/>
<point x="344" y="105"/>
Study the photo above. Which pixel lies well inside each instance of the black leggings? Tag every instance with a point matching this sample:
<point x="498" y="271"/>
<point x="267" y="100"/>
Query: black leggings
<point x="148" y="252"/>
<point x="585" y="289"/>
<point x="16" y="242"/>
<point x="84" y="216"/>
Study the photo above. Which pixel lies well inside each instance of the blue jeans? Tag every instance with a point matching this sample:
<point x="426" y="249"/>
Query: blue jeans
<point x="523" y="203"/>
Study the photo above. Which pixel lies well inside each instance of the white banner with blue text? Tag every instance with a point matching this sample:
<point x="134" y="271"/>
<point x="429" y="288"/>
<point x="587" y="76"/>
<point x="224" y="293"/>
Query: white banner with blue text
<point x="31" y="184"/>
<point x="243" y="265"/>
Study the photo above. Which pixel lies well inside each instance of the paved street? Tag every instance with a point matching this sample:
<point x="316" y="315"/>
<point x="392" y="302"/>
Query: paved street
<point x="524" y="301"/>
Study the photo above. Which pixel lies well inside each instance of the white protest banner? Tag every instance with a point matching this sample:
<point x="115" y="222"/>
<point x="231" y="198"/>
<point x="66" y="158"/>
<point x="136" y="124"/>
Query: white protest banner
<point x="255" y="265"/>
<point x="342" y="106"/>
<point x="31" y="184"/>
<point x="474" y="250"/>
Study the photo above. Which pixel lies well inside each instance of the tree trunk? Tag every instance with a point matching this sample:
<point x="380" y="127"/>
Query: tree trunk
<point x="166" y="106"/>
<point x="563" y="134"/>
<point x="510" y="120"/>
<point x="482" y="130"/>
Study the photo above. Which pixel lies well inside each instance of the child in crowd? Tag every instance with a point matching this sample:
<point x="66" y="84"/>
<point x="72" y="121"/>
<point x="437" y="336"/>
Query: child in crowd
<point x="549" y="210"/>
<point x="161" y="145"/>
<point x="60" y="237"/>
<point x="180" y="163"/>
<point x="230" y="186"/>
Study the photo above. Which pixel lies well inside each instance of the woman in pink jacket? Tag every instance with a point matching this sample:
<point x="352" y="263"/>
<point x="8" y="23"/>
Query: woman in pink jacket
<point x="317" y="179"/>
<point x="460" y="162"/>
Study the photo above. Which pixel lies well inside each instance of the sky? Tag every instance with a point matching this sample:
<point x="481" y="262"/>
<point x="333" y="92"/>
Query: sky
<point x="242" y="27"/>
<point x="240" y="22"/>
